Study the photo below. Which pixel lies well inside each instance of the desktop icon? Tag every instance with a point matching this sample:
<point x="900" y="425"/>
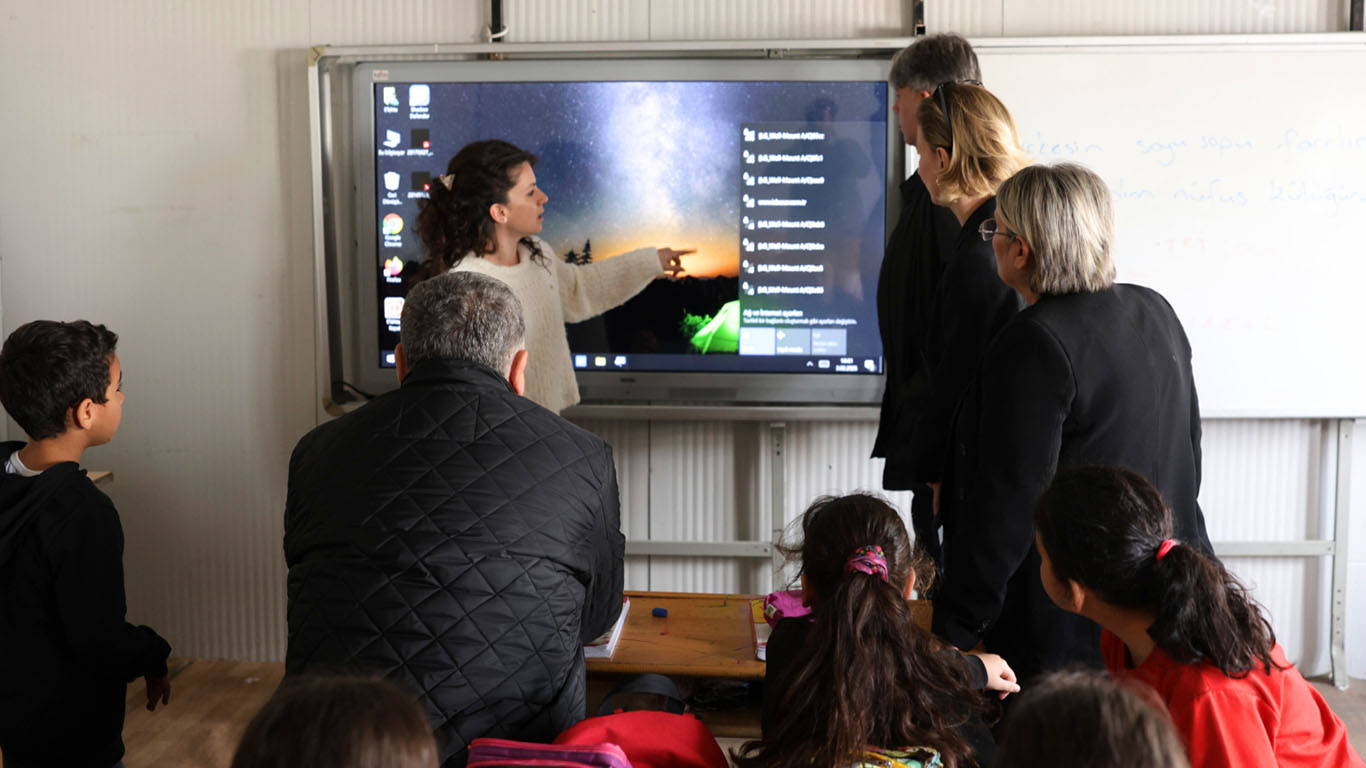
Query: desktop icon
<point x="421" y="138"/>
<point x="419" y="95"/>
<point x="421" y="181"/>
<point x="393" y="307"/>
<point x="392" y="138"/>
<point x="391" y="181"/>
<point x="393" y="267"/>
<point x="390" y="96"/>
<point x="392" y="225"/>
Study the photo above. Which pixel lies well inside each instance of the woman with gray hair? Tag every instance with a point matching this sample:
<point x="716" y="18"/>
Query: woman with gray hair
<point x="1091" y="372"/>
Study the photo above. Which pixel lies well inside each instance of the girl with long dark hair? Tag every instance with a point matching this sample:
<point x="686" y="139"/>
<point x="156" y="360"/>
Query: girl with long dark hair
<point x="484" y="214"/>
<point x="858" y="682"/>
<point x="1175" y="619"/>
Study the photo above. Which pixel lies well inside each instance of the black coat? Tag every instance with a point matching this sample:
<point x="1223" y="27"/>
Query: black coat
<point x="970" y="308"/>
<point x="917" y="252"/>
<point x="1079" y="379"/>
<point x="461" y="540"/>
<point x="66" y="652"/>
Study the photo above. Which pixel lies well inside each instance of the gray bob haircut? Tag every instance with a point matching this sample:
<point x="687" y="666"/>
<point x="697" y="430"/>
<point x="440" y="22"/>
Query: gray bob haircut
<point x="462" y="315"/>
<point x="934" y="59"/>
<point x="1067" y="216"/>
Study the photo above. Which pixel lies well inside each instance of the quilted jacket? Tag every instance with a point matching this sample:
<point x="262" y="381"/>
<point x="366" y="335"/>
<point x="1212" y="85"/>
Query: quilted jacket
<point x="461" y="540"/>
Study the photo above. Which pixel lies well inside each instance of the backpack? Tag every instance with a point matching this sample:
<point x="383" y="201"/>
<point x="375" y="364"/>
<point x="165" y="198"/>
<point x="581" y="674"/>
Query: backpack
<point x="646" y="738"/>
<point x="504" y="753"/>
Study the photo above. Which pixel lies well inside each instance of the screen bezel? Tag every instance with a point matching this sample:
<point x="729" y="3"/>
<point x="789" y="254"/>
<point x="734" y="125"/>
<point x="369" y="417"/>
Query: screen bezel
<point x="606" y="386"/>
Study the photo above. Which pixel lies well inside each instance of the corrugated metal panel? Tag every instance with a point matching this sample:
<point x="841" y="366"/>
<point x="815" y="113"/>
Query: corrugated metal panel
<point x="833" y="459"/>
<point x="576" y="20"/>
<point x="365" y="22"/>
<point x="1287" y="589"/>
<point x="1171" y="17"/>
<point x="970" y="18"/>
<point x="1262" y="479"/>
<point x="693" y="498"/>
<point x="775" y="19"/>
<point x="1269" y="481"/>
<point x="630" y="441"/>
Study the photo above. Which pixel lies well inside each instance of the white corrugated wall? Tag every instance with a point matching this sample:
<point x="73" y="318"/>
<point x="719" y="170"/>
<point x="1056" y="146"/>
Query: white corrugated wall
<point x="157" y="179"/>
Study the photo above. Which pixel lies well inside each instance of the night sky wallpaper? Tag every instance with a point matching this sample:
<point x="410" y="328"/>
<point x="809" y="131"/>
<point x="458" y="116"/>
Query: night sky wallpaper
<point x="632" y="164"/>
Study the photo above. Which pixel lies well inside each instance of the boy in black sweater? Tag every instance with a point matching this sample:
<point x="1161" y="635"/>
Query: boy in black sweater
<point x="66" y="652"/>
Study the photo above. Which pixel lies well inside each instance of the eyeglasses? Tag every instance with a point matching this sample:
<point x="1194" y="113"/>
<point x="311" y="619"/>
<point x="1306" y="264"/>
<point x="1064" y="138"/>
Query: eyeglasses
<point x="990" y="229"/>
<point x="944" y="104"/>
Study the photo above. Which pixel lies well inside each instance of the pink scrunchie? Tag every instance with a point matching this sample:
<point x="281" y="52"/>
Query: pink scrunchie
<point x="869" y="560"/>
<point x="1167" y="546"/>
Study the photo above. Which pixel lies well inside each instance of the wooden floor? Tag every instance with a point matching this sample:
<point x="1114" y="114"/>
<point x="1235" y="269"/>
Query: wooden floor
<point x="212" y="702"/>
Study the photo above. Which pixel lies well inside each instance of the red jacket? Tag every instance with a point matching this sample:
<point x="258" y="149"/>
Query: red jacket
<point x="1262" y="719"/>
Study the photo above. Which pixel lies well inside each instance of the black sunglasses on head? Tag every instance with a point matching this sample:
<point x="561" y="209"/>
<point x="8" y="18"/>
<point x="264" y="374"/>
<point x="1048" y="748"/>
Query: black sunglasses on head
<point x="938" y="95"/>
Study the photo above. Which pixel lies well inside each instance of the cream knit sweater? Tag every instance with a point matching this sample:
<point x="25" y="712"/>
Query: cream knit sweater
<point x="554" y="293"/>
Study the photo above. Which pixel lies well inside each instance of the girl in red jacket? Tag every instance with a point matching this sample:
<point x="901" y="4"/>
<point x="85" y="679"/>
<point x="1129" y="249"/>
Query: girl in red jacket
<point x="1176" y="620"/>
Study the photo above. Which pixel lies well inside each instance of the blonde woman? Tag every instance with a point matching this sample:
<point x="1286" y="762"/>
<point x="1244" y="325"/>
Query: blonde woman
<point x="968" y="145"/>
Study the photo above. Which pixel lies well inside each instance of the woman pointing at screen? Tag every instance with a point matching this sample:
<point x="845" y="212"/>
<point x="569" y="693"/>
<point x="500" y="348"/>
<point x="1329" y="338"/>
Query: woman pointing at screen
<point x="484" y="214"/>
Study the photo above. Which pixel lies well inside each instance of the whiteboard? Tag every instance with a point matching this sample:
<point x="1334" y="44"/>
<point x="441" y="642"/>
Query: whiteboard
<point x="1239" y="175"/>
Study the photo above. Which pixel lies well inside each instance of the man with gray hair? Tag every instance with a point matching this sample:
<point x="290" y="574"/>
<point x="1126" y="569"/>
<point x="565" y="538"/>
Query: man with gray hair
<point x="452" y="535"/>
<point x="908" y="282"/>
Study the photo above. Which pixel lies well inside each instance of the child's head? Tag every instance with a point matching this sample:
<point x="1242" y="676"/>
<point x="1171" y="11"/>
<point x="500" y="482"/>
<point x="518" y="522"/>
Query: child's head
<point x="1082" y="718"/>
<point x="1105" y="534"/>
<point x="866" y="674"/>
<point x="56" y="376"/>
<point x="834" y="527"/>
<point x="340" y="722"/>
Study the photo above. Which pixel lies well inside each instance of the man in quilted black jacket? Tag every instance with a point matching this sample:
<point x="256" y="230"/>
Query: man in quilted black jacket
<point x="454" y="536"/>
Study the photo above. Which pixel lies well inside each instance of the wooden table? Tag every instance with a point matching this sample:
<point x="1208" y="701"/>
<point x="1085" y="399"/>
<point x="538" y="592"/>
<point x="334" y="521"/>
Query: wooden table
<point x="704" y="636"/>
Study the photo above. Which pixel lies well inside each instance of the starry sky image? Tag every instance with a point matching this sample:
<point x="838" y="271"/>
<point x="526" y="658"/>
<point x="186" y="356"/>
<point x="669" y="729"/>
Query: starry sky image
<point x="632" y="164"/>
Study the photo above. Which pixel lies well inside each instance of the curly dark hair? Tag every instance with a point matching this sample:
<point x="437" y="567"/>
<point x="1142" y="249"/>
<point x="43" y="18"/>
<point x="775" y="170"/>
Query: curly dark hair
<point x="47" y="368"/>
<point x="867" y="673"/>
<point x="455" y="222"/>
